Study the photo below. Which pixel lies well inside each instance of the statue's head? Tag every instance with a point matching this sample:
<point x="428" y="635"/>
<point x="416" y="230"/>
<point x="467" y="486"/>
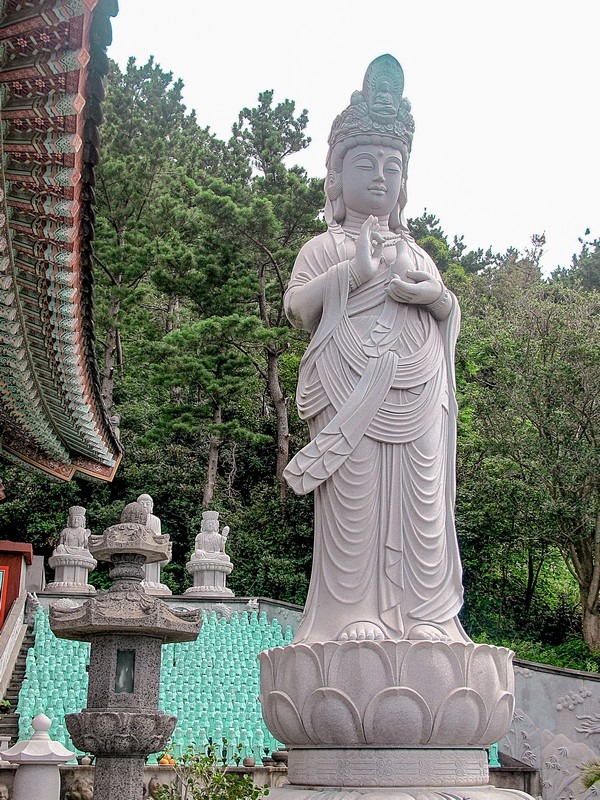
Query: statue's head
<point x="210" y="521"/>
<point x="76" y="517"/>
<point x="378" y="125"/>
<point x="134" y="512"/>
<point x="146" y="501"/>
<point x="3" y="791"/>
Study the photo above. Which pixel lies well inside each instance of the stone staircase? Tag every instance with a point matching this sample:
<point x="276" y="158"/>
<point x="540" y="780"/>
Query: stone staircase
<point x="9" y="722"/>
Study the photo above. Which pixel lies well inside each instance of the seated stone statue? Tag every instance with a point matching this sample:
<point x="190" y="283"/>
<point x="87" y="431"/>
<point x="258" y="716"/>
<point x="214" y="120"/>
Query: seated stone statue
<point x="152" y="521"/>
<point x="210" y="544"/>
<point x="74" y="538"/>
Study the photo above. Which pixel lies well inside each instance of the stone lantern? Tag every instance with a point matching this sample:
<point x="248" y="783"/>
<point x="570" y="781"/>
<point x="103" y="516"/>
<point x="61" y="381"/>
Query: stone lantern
<point x="127" y="628"/>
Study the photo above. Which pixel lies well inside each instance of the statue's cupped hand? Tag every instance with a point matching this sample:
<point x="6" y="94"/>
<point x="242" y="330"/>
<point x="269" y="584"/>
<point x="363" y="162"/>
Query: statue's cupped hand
<point x="421" y="288"/>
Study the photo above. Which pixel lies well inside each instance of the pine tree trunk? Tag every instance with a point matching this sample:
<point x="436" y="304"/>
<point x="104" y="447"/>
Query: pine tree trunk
<point x="172" y="313"/>
<point x="214" y="443"/>
<point x="281" y="413"/>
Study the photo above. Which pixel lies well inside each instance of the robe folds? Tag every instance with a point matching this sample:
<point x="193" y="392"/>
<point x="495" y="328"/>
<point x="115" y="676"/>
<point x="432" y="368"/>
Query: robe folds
<point x="377" y="388"/>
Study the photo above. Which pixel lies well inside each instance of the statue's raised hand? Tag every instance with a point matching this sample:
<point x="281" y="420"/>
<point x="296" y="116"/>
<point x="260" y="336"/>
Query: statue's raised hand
<point x="421" y="288"/>
<point x="369" y="251"/>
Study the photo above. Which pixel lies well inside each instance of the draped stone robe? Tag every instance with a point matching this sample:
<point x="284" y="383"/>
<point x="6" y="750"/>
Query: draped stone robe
<point x="376" y="386"/>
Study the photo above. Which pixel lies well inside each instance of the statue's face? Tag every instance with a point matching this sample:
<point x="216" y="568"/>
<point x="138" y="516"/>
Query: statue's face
<point x="77" y="521"/>
<point x="371" y="179"/>
<point x="3" y="792"/>
<point x="147" y="504"/>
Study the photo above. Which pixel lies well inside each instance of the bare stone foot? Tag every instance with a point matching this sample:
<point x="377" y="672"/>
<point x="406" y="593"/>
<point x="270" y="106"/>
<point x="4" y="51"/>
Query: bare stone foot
<point x="359" y="631"/>
<point x="428" y="633"/>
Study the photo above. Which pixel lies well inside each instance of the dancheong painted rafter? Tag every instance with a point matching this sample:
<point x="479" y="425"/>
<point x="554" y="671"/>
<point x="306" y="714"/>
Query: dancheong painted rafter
<point x="52" y="67"/>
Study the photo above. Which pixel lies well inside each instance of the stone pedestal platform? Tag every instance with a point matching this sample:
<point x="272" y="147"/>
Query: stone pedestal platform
<point x="379" y="767"/>
<point x="71" y="573"/>
<point x="397" y="793"/>
<point x="387" y="694"/>
<point x="210" y="576"/>
<point x="152" y="583"/>
<point x="388" y="720"/>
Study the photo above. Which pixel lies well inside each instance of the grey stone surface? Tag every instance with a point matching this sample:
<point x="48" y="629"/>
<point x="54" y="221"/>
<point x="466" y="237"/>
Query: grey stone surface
<point x="380" y="660"/>
<point x="377" y="388"/>
<point x="393" y="694"/>
<point x="555" y="727"/>
<point x="38" y="760"/>
<point x="122" y="724"/>
<point x="126" y="606"/>
<point x="71" y="560"/>
<point x="400" y="793"/>
<point x="78" y="787"/>
<point x="210" y="565"/>
<point x="123" y="734"/>
<point x="119" y="778"/>
<point x="380" y="767"/>
<point x="151" y="582"/>
<point x="102" y="692"/>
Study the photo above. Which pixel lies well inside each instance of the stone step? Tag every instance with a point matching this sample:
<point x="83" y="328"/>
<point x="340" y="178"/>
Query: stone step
<point x="9" y="723"/>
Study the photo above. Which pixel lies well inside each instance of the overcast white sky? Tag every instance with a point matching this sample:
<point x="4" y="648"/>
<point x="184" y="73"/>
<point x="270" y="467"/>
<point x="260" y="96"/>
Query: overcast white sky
<point x="505" y="95"/>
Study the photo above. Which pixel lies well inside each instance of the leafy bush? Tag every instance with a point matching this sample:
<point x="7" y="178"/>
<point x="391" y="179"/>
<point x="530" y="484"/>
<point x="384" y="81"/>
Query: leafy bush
<point x="571" y="654"/>
<point x="205" y="776"/>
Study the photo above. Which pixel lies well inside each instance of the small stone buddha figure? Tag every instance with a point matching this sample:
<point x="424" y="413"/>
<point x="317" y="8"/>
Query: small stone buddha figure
<point x="80" y="789"/>
<point x="152" y="583"/>
<point x="74" y="537"/>
<point x="209" y="542"/>
<point x="4" y="795"/>
<point x="154" y="787"/>
<point x="71" y="560"/>
<point x="209" y="563"/>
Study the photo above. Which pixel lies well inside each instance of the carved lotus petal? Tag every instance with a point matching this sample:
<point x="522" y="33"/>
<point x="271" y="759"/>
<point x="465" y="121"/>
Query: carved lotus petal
<point x="303" y="673"/>
<point x="396" y="652"/>
<point x="283" y="720"/>
<point x="463" y="652"/>
<point x="398" y="715"/>
<point x="486" y="673"/>
<point x="461" y="719"/>
<point x="433" y="671"/>
<point x="500" y="719"/>
<point x="268" y="661"/>
<point x="349" y="666"/>
<point x="331" y="717"/>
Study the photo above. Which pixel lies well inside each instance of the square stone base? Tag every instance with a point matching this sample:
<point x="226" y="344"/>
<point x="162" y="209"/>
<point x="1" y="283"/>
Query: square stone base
<point x="396" y="793"/>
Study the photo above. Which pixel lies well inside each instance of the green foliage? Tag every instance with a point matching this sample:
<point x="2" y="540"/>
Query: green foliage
<point x="272" y="547"/>
<point x="573" y="653"/>
<point x="196" y="238"/>
<point x="590" y="773"/>
<point x="584" y="271"/>
<point x="205" y="776"/>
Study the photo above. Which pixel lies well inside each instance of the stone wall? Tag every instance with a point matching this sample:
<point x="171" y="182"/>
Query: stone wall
<point x="556" y="726"/>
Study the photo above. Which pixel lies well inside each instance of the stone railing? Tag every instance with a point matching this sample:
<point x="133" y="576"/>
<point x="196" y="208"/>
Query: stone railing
<point x="11" y="639"/>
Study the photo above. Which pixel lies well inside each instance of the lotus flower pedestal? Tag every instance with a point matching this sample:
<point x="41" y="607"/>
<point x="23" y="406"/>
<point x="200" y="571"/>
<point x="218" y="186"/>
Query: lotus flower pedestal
<point x="388" y="720"/>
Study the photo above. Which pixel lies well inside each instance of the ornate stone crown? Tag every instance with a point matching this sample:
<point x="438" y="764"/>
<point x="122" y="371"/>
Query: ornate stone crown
<point x="379" y="108"/>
